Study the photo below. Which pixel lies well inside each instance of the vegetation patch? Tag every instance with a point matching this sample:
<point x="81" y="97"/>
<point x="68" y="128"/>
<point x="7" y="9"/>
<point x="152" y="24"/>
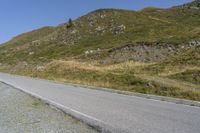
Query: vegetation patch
<point x="192" y="76"/>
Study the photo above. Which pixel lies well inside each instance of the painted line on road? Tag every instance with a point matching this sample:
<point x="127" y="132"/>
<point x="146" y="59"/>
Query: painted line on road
<point x="89" y="120"/>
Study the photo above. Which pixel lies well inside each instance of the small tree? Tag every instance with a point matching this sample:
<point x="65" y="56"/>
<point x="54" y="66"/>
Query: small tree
<point x="70" y="23"/>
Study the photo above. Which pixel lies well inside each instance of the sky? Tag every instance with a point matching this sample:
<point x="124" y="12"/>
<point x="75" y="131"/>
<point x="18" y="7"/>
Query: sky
<point x="19" y="16"/>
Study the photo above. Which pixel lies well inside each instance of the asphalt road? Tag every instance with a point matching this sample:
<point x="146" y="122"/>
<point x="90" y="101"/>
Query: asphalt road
<point x="112" y="112"/>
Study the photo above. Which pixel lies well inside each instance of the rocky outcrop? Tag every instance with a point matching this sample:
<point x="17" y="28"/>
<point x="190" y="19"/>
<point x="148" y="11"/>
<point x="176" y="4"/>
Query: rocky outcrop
<point x="195" y="6"/>
<point x="147" y="52"/>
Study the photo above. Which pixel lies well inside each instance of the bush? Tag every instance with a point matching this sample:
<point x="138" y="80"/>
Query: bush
<point x="70" y="23"/>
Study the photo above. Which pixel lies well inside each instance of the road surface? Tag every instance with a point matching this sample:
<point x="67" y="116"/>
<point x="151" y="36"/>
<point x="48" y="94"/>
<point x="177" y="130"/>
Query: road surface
<point x="111" y="112"/>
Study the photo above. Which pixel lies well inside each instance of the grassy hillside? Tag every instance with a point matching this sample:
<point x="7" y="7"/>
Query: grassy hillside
<point x="106" y="29"/>
<point x="152" y="51"/>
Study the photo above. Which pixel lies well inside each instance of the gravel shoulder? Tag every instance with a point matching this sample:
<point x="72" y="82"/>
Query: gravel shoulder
<point x="21" y="113"/>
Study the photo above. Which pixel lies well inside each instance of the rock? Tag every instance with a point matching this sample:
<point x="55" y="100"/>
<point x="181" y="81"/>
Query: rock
<point x="119" y="29"/>
<point x="92" y="51"/>
<point x="31" y="53"/>
<point x="74" y="31"/>
<point x="98" y="49"/>
<point x="182" y="47"/>
<point x="150" y="84"/>
<point x="99" y="29"/>
<point x="103" y="16"/>
<point x="194" y="43"/>
<point x="38" y="68"/>
<point x="149" y="52"/>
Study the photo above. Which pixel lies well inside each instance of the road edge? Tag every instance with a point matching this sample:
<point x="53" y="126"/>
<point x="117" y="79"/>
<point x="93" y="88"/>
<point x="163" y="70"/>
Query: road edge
<point x="93" y="123"/>
<point x="147" y="96"/>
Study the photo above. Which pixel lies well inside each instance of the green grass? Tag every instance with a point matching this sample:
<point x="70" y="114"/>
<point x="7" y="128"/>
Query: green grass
<point x="174" y="25"/>
<point x="36" y="103"/>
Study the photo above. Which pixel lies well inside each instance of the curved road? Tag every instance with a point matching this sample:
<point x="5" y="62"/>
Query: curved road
<point x="112" y="112"/>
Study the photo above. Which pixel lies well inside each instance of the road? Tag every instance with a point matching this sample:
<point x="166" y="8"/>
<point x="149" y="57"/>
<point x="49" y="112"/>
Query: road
<point x="112" y="112"/>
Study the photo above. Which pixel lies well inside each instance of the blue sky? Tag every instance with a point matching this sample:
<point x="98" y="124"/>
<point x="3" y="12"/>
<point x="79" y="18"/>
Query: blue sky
<point x="18" y="16"/>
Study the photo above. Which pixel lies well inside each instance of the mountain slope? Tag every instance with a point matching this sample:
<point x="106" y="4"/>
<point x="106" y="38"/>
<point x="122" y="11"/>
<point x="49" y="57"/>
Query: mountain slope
<point x="114" y="48"/>
<point x="110" y="28"/>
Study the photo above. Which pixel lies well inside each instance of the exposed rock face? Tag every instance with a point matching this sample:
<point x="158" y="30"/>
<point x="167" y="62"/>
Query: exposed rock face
<point x="119" y="29"/>
<point x="193" y="5"/>
<point x="147" y="52"/>
<point x="100" y="30"/>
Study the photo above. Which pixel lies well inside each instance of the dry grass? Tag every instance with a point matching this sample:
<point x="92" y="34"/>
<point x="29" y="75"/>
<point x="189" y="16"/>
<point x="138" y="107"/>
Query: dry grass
<point x="126" y="76"/>
<point x="95" y="66"/>
<point x="177" y="69"/>
<point x="172" y="83"/>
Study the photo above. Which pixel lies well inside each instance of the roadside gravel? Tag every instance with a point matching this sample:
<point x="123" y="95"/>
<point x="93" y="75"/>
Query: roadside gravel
<point x="21" y="113"/>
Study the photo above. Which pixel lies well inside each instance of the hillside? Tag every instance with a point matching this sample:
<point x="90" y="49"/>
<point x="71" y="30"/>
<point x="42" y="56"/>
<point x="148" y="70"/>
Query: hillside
<point x="120" y="49"/>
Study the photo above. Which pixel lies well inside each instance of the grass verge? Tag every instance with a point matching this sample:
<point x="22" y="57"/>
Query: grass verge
<point x="119" y="77"/>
